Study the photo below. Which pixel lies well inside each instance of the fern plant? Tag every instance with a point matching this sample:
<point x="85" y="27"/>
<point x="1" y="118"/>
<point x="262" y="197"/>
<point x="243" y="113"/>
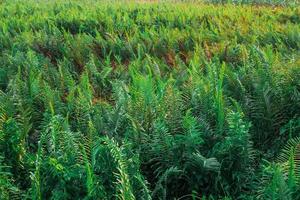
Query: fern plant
<point x="280" y="180"/>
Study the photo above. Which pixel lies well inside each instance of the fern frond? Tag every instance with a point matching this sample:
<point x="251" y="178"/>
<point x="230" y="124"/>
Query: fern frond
<point x="289" y="159"/>
<point x="123" y="183"/>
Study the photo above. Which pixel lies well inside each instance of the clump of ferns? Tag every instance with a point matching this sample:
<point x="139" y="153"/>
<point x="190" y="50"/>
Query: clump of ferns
<point x="50" y="43"/>
<point x="236" y="154"/>
<point x="56" y="160"/>
<point x="101" y="77"/>
<point x="266" y="105"/>
<point x="173" y="108"/>
<point x="79" y="103"/>
<point x="25" y="90"/>
<point x="142" y="97"/>
<point x="94" y="183"/>
<point x="204" y="91"/>
<point x="286" y="82"/>
<point x="118" y="167"/>
<point x="280" y="179"/>
<point x="257" y="89"/>
<point x="8" y="187"/>
<point x="78" y="50"/>
<point x="15" y="134"/>
<point x="163" y="154"/>
<point x="157" y="96"/>
<point x="235" y="55"/>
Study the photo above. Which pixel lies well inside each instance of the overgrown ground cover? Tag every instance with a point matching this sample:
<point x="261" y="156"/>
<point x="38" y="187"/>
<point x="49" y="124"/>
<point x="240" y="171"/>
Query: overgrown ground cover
<point x="149" y="101"/>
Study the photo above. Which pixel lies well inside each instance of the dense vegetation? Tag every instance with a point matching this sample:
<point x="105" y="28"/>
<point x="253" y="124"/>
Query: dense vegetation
<point x="251" y="2"/>
<point x="149" y="101"/>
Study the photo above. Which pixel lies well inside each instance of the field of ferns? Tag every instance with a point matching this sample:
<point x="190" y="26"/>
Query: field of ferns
<point x="145" y="100"/>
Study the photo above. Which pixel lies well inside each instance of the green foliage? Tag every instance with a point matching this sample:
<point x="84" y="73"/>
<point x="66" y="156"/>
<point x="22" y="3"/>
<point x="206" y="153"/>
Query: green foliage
<point x="280" y="180"/>
<point x="149" y="101"/>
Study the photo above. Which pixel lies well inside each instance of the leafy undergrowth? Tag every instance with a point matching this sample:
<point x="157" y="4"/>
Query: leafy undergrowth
<point x="149" y="101"/>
